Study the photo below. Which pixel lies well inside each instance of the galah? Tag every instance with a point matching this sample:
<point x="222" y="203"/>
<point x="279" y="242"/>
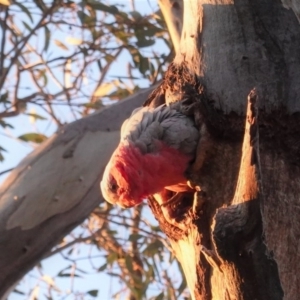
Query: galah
<point x="157" y="146"/>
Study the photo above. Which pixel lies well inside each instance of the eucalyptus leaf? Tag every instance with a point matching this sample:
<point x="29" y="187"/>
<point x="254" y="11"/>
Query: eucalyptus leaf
<point x="159" y="296"/>
<point x="93" y="293"/>
<point x="35" y="116"/>
<point x="112" y="9"/>
<point x="61" y="45"/>
<point x="4" y="98"/>
<point x="33" y="137"/>
<point x="4" y="124"/>
<point x="47" y="38"/>
<point x="24" y="9"/>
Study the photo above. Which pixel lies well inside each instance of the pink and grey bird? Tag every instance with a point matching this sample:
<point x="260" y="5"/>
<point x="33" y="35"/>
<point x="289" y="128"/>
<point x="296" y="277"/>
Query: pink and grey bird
<point x="157" y="145"/>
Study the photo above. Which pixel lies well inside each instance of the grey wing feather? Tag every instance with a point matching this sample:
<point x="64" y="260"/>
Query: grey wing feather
<point x="181" y="133"/>
<point x="131" y="125"/>
<point x="163" y="123"/>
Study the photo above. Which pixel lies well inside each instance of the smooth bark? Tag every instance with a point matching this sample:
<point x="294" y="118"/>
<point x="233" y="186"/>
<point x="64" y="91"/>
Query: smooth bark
<point x="172" y="11"/>
<point x="55" y="188"/>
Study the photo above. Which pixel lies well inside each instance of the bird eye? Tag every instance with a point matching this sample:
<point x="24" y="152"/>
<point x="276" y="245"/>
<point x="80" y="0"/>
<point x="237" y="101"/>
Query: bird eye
<point x="113" y="186"/>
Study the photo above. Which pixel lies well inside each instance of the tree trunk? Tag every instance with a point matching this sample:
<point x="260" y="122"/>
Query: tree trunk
<point x="239" y="238"/>
<point x="55" y="188"/>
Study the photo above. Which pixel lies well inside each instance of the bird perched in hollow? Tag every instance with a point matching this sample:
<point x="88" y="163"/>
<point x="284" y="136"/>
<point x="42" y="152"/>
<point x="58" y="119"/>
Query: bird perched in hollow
<point x="157" y="146"/>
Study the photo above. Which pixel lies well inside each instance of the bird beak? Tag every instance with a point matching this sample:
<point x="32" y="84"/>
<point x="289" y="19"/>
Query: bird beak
<point x="109" y="197"/>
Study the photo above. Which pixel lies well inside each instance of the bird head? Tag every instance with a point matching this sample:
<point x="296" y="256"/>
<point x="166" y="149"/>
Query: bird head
<point x="131" y="176"/>
<point x="121" y="182"/>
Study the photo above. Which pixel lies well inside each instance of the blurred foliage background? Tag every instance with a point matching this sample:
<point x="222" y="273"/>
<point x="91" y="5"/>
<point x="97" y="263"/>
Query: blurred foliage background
<point x="60" y="61"/>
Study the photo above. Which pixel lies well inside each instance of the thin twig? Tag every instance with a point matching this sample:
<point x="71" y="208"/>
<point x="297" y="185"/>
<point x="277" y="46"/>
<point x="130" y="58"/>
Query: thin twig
<point x="6" y="171"/>
<point x="15" y="105"/>
<point x="163" y="63"/>
<point x="40" y="63"/>
<point x="102" y="77"/>
<point x="23" y="42"/>
<point x="4" y="25"/>
<point x="47" y="99"/>
<point x="76" y="241"/>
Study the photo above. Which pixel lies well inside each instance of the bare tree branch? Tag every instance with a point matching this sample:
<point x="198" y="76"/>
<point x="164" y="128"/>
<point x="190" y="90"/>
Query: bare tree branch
<point x="23" y="42"/>
<point x="4" y="27"/>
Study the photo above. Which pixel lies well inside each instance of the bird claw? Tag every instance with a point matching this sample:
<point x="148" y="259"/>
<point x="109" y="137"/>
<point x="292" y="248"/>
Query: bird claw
<point x="198" y="201"/>
<point x="172" y="200"/>
<point x="172" y="209"/>
<point x="173" y="221"/>
<point x="193" y="185"/>
<point x="199" y="197"/>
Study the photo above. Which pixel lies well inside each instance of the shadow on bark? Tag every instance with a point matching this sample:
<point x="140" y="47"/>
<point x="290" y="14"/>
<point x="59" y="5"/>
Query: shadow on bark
<point x="217" y="234"/>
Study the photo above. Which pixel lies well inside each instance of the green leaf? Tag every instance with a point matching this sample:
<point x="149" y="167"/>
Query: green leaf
<point x="4" y="124"/>
<point x="155" y="228"/>
<point x="61" y="45"/>
<point x="102" y="268"/>
<point x="153" y="31"/>
<point x="82" y="271"/>
<point x="70" y="251"/>
<point x="150" y="273"/>
<point x="3" y="98"/>
<point x="136" y="15"/>
<point x="105" y="88"/>
<point x="62" y="274"/>
<point x="42" y="74"/>
<point x="81" y="15"/>
<point x="153" y="267"/>
<point x="135" y="237"/>
<point x="95" y="105"/>
<point x="25" y="10"/>
<point x="112" y="9"/>
<point x="68" y="275"/>
<point x="111" y="258"/>
<point x="93" y="293"/>
<point x="153" y="248"/>
<point x="27" y="26"/>
<point x="143" y="65"/>
<point x="47" y="38"/>
<point x="66" y="268"/>
<point x="140" y="61"/>
<point x="33" y="137"/>
<point x="1" y="156"/>
<point x="143" y="42"/>
<point x="18" y="292"/>
<point x="121" y="35"/>
<point x="128" y="263"/>
<point x="35" y="116"/>
<point x="109" y="58"/>
<point x="41" y="5"/>
<point x="112" y="232"/>
<point x="122" y="17"/>
<point x="159" y="297"/>
<point x="86" y="19"/>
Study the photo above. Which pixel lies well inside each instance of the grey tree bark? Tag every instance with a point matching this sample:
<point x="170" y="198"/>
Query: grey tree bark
<point x="241" y="240"/>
